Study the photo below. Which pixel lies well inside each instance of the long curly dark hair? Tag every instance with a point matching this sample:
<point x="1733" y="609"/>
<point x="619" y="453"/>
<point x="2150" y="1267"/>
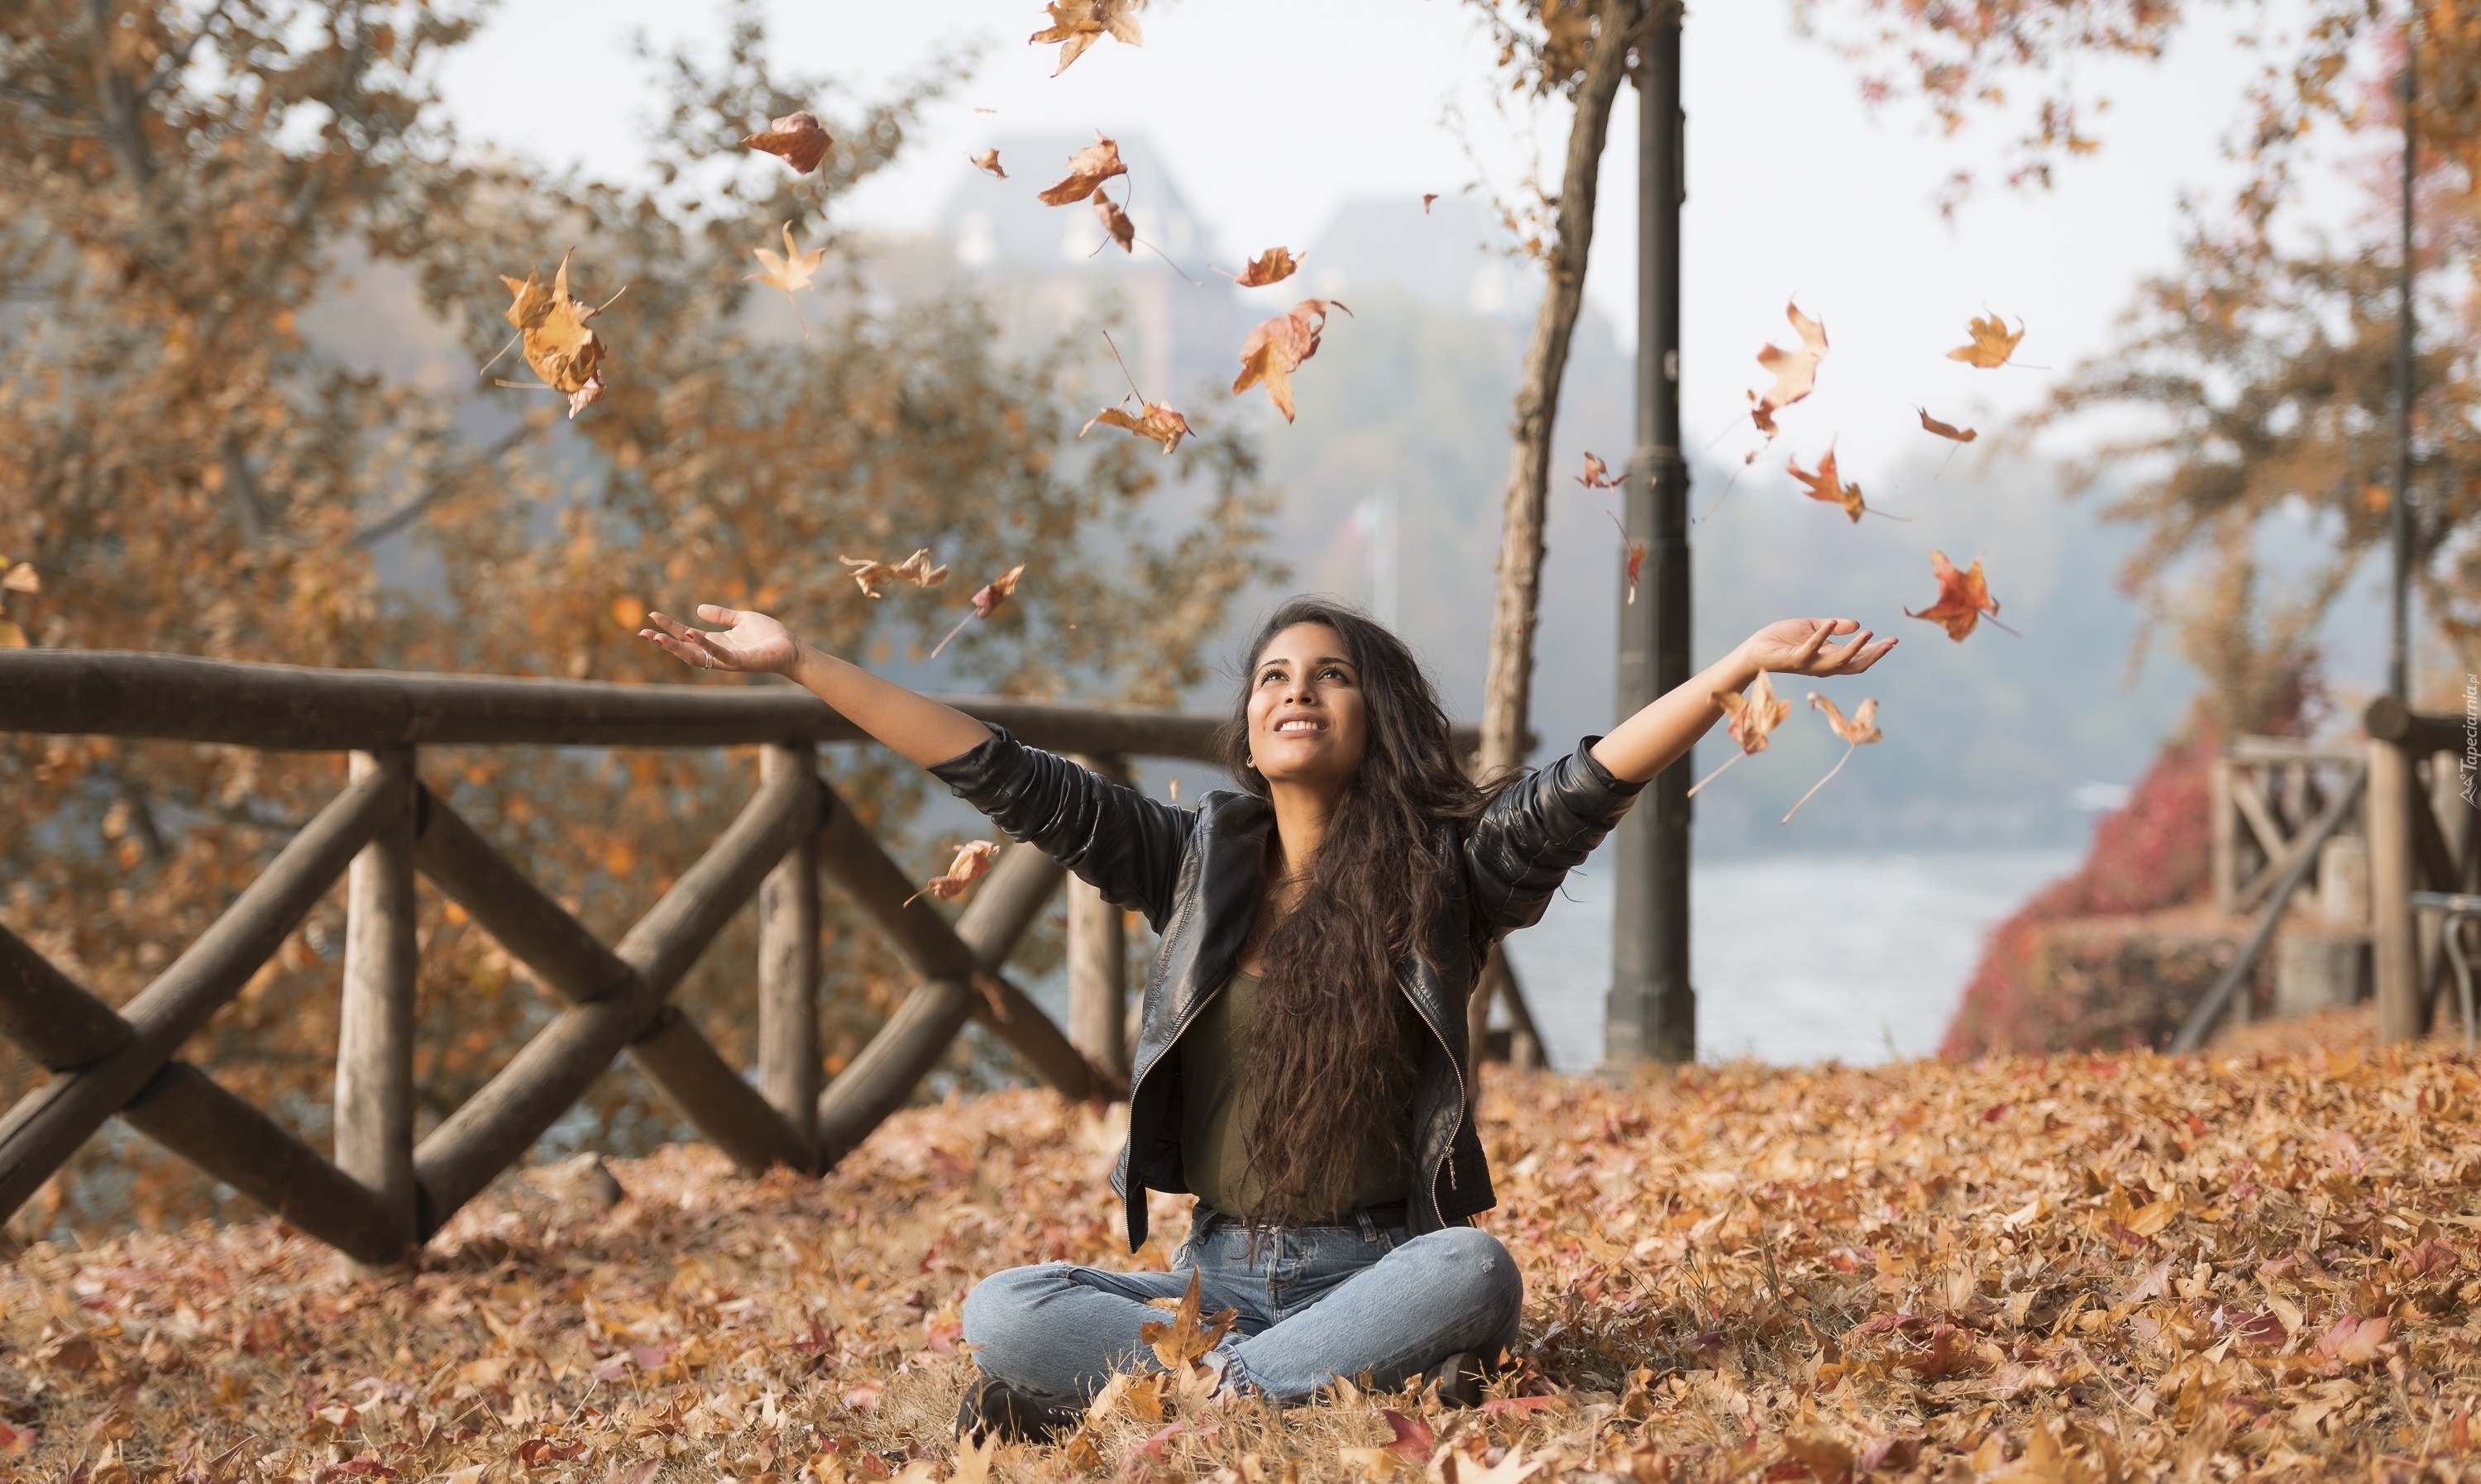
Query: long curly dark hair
<point x="1332" y="1054"/>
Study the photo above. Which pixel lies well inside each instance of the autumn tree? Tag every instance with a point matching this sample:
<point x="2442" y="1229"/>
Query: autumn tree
<point x="1576" y="52"/>
<point x="186" y="470"/>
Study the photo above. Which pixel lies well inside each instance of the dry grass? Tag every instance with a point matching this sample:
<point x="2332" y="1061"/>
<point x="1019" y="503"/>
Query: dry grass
<point x="2081" y="1267"/>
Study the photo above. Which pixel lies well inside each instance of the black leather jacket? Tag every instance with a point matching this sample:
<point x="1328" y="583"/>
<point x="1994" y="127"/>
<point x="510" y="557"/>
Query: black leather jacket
<point x="1198" y="874"/>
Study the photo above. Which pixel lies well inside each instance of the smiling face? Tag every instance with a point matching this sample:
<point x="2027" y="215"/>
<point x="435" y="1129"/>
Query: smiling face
<point x="1307" y="724"/>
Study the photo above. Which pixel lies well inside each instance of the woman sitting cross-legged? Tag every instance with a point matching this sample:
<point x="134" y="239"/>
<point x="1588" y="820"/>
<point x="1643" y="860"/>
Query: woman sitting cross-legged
<point x="1300" y="1064"/>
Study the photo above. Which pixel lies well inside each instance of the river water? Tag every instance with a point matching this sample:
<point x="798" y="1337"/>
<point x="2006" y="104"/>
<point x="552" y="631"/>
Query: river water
<point x="1794" y="958"/>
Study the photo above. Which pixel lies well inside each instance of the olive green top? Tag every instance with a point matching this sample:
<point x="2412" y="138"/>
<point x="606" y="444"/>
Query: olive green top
<point x="1215" y="1108"/>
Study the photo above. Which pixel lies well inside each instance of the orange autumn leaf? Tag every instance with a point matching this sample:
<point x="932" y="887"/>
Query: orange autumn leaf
<point x="987" y="602"/>
<point x="1930" y="424"/>
<point x="1828" y="486"/>
<point x="1427" y="197"/>
<point x="1116" y="225"/>
<point x="21" y="577"/>
<point x="1991" y="345"/>
<point x="1858" y="732"/>
<point x="1795" y="372"/>
<point x="1862" y="728"/>
<point x="916" y="569"/>
<point x="1078" y="24"/>
<point x="789" y="271"/>
<point x="1087" y="170"/>
<point x="1272" y="266"/>
<point x="988" y="161"/>
<point x="1183" y="1337"/>
<point x="1597" y="475"/>
<point x="972" y="862"/>
<point x="2353" y="1341"/>
<point x="1635" y="555"/>
<point x="1963" y="598"/>
<point x="800" y="140"/>
<point x="1751" y="715"/>
<point x="1151" y="420"/>
<point x="998" y="590"/>
<point x="12" y="636"/>
<point x="1748" y="718"/>
<point x="1279" y="345"/>
<point x="556" y="343"/>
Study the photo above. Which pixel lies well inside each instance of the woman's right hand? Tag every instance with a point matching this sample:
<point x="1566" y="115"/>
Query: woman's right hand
<point x="748" y="642"/>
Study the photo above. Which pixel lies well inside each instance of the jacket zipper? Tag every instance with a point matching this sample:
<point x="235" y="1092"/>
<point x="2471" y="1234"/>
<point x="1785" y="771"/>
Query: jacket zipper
<point x="1447" y="1162"/>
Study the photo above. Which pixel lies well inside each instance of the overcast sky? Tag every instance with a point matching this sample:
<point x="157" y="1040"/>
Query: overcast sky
<point x="1273" y="112"/>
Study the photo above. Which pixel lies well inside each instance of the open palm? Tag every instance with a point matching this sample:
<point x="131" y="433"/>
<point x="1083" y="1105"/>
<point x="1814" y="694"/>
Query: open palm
<point x="747" y="642"/>
<point x="1802" y="646"/>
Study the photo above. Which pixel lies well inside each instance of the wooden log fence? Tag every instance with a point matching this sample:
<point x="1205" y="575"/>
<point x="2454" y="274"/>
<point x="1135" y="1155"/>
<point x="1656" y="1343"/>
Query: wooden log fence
<point x="384" y="1193"/>
<point x="2423" y="840"/>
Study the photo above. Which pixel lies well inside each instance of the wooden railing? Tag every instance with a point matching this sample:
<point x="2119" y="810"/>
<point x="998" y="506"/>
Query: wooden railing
<point x="2422" y="838"/>
<point x="385" y="1193"/>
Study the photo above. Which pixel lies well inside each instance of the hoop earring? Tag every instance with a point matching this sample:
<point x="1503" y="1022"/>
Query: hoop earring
<point x="1250" y="762"/>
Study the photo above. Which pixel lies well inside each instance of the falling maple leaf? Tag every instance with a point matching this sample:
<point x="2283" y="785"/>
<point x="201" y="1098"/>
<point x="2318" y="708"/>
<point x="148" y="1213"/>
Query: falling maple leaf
<point x="1279" y="345"/>
<point x="1427" y="197"/>
<point x="998" y="590"/>
<point x="1795" y="372"/>
<point x="1930" y="424"/>
<point x="988" y="160"/>
<point x="1597" y="475"/>
<point x="1963" y="597"/>
<point x="1087" y="170"/>
<point x="1828" y="486"/>
<point x="798" y="139"/>
<point x="987" y="602"/>
<point x="1272" y="266"/>
<point x="1151" y="420"/>
<point x="1749" y="718"/>
<point x="1636" y="556"/>
<point x="1116" y="225"/>
<point x="552" y="327"/>
<point x="1861" y="729"/>
<point x="1182" y="1338"/>
<point x="972" y="863"/>
<point x="915" y="569"/>
<point x="790" y="270"/>
<point x="1992" y="343"/>
<point x="1078" y="24"/>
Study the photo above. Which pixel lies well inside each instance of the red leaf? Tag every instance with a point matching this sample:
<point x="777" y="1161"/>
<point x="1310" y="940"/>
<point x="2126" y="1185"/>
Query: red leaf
<point x="1414" y="1438"/>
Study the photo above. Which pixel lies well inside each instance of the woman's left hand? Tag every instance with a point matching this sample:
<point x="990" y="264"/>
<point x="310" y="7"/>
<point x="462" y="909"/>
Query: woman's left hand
<point x="1800" y="647"/>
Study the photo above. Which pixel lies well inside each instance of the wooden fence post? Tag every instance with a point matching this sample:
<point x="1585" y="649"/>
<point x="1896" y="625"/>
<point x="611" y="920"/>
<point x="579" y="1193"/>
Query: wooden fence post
<point x="2392" y="798"/>
<point x="374" y="1034"/>
<point x="1098" y="962"/>
<point x="788" y="962"/>
<point x="2224" y="833"/>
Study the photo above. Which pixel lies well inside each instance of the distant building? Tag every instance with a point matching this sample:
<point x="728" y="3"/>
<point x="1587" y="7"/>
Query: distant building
<point x="1440" y="256"/>
<point x="1181" y="320"/>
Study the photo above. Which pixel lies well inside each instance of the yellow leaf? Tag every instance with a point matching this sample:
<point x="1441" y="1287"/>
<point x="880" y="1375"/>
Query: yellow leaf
<point x="1991" y="346"/>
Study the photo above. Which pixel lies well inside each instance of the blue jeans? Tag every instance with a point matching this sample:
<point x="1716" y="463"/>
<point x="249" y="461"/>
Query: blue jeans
<point x="1316" y="1303"/>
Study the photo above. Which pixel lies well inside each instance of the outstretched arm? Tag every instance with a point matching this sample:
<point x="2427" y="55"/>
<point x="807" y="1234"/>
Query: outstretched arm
<point x="1663" y="732"/>
<point x="924" y="730"/>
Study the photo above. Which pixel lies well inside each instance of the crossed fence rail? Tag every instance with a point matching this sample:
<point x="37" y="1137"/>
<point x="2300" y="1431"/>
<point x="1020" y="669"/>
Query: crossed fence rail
<point x="384" y="1192"/>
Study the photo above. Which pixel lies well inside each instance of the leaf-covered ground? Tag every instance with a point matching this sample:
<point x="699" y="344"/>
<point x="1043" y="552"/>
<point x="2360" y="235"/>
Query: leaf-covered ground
<point x="2257" y="1264"/>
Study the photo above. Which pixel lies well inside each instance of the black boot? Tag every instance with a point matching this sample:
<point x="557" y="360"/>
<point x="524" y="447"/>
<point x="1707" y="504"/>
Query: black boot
<point x="1018" y="1417"/>
<point x="1460" y="1378"/>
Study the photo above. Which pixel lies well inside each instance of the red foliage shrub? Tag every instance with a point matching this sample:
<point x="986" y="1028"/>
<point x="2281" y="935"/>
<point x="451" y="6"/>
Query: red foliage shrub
<point x="2153" y="851"/>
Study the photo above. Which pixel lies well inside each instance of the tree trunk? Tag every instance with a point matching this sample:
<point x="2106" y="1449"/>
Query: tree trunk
<point x="1508" y="688"/>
